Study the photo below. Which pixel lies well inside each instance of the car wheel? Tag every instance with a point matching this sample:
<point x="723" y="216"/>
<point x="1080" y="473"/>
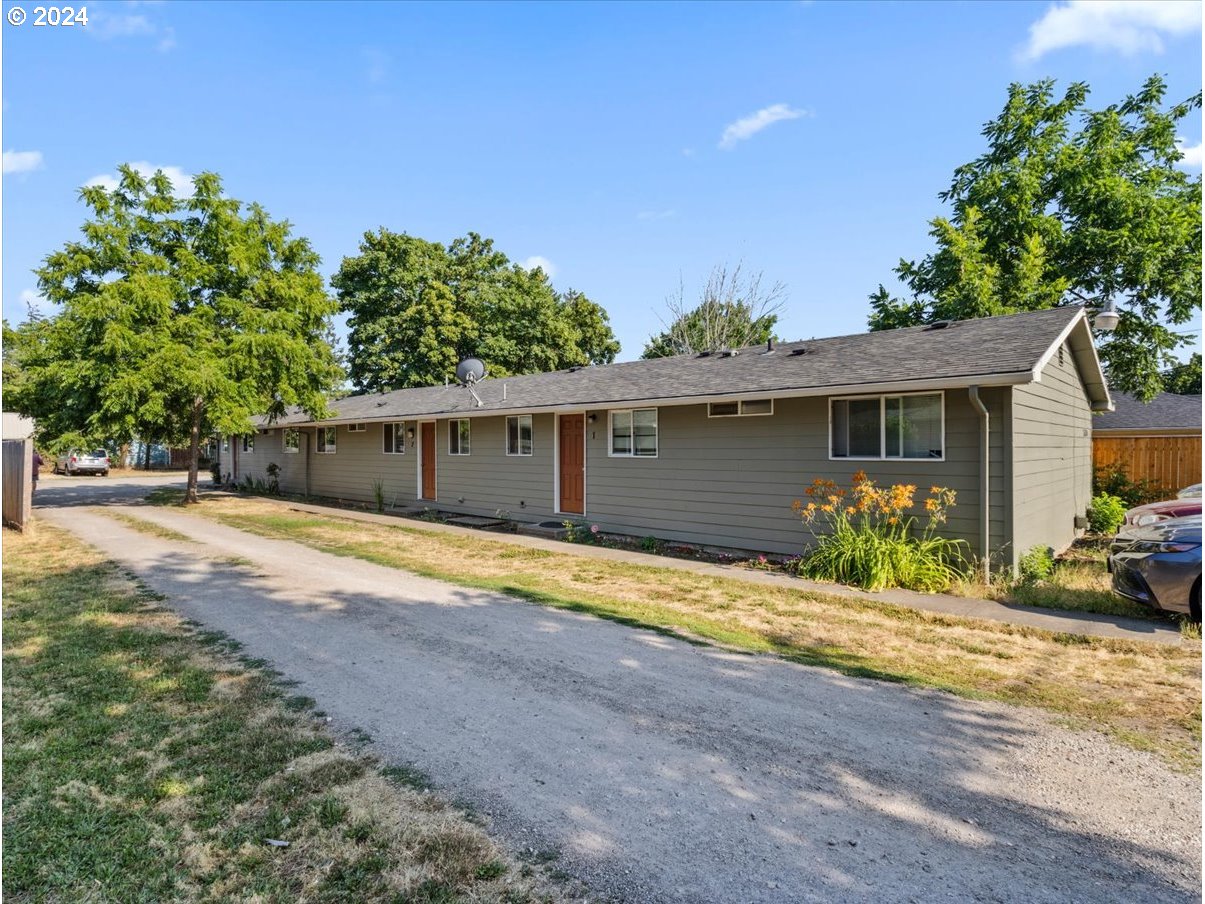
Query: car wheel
<point x="104" y="473"/>
<point x="1194" y="604"/>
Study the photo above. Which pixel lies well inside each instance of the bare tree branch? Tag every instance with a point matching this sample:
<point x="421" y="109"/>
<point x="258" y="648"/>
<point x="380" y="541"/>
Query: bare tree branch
<point x="733" y="311"/>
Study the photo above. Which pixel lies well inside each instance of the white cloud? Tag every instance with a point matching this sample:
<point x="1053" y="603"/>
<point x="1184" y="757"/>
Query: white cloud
<point x="1192" y="154"/>
<point x="542" y="262"/>
<point x="1128" y="26"/>
<point x="748" y="126"/>
<point x="22" y="161"/>
<point x="656" y="214"/>
<point x="181" y="181"/>
<point x="129" y="19"/>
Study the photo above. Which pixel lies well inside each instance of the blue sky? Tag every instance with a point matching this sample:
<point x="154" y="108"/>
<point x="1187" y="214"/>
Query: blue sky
<point x="591" y="136"/>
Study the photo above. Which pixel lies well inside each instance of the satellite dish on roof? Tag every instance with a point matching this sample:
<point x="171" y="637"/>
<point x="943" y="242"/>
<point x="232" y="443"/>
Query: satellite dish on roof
<point x="470" y="370"/>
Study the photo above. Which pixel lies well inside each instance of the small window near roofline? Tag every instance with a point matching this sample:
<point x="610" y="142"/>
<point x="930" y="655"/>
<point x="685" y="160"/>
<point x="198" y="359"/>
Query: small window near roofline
<point x="291" y="440"/>
<point x="745" y="408"/>
<point x="357" y="428"/>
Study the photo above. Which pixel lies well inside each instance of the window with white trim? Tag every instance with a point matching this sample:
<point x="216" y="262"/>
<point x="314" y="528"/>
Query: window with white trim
<point x="634" y="433"/>
<point x="357" y="428"/>
<point x="743" y="408"/>
<point x="249" y="444"/>
<point x="888" y="427"/>
<point x="393" y="440"/>
<point x="225" y="443"/>
<point x="518" y="434"/>
<point x="324" y="440"/>
<point x="458" y="436"/>
<point x="291" y="440"/>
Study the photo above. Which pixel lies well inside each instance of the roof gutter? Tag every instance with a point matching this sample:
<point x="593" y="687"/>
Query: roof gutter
<point x="985" y="485"/>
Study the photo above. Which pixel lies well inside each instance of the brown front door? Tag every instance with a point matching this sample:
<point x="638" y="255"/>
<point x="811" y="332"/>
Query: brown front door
<point x="427" y="455"/>
<point x="573" y="463"/>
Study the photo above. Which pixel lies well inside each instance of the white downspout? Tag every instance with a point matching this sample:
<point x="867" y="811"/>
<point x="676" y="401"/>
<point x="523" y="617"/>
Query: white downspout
<point x="985" y="484"/>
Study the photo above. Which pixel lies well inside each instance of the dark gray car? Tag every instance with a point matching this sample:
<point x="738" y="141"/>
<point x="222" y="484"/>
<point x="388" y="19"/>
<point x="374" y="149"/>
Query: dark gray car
<point x="1160" y="565"/>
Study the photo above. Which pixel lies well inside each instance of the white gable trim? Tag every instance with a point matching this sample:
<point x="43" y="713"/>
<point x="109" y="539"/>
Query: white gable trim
<point x="1078" y="335"/>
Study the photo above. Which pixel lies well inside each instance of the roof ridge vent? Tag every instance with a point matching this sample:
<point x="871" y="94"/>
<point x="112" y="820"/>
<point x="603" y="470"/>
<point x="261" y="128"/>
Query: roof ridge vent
<point x="939" y="325"/>
<point x="796" y="352"/>
<point x="729" y="353"/>
<point x="706" y="353"/>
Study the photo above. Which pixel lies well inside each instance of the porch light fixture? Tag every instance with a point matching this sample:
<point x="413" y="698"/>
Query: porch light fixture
<point x="1107" y="320"/>
<point x="591" y="418"/>
<point x="410" y="433"/>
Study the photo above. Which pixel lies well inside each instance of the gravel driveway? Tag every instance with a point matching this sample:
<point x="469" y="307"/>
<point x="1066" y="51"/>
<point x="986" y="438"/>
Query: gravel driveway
<point x="662" y="771"/>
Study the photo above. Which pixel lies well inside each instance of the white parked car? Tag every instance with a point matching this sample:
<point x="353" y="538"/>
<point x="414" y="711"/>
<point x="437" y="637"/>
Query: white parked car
<point x="77" y="462"/>
<point x="1194" y="490"/>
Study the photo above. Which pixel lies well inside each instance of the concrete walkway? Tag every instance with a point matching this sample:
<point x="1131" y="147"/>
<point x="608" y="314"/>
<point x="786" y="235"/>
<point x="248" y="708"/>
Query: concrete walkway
<point x="1092" y="624"/>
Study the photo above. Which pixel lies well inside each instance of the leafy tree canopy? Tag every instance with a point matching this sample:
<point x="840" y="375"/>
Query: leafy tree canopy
<point x="417" y="307"/>
<point x="733" y="311"/>
<point x="1185" y="377"/>
<point x="178" y="316"/>
<point x="1069" y="205"/>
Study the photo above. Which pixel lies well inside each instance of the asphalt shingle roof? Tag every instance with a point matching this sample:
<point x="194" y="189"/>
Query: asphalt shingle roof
<point x="1165" y="411"/>
<point x="989" y="346"/>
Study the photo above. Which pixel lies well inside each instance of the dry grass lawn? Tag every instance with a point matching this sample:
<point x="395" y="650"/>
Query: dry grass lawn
<point x="1147" y="695"/>
<point x="145" y="761"/>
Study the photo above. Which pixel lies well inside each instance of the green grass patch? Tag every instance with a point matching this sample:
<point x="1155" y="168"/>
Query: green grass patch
<point x="165" y="496"/>
<point x="149" y="527"/>
<point x="144" y="761"/>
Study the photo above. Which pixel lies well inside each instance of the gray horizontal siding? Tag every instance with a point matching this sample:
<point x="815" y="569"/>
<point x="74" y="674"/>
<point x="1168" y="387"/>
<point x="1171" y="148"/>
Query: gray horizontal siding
<point x="1052" y="456"/>
<point x="488" y="480"/>
<point x="348" y="473"/>
<point x="716" y="481"/>
<point x="731" y="481"/>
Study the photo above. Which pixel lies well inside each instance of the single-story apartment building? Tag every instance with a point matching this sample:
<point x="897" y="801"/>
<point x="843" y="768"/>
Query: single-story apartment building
<point x="1157" y="442"/>
<point x="713" y="448"/>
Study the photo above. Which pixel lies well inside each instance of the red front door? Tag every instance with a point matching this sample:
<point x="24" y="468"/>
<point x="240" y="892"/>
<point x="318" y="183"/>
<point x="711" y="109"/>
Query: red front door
<point x="572" y="444"/>
<point x="427" y="454"/>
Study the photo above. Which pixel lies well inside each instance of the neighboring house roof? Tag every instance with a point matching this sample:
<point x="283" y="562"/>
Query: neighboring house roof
<point x="1165" y="411"/>
<point x="990" y="351"/>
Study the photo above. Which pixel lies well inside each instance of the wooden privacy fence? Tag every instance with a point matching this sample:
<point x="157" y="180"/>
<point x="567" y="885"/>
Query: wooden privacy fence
<point x="1169" y="462"/>
<point x="17" y="477"/>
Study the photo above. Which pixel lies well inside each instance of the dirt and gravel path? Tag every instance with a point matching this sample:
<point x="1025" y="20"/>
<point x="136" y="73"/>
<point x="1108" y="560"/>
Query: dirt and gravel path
<point x="662" y="771"/>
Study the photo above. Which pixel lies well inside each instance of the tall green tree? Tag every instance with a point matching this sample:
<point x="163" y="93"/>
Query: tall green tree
<point x="1185" y="377"/>
<point x="417" y="307"/>
<point x="179" y="316"/>
<point x="733" y="311"/>
<point x="1070" y="205"/>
